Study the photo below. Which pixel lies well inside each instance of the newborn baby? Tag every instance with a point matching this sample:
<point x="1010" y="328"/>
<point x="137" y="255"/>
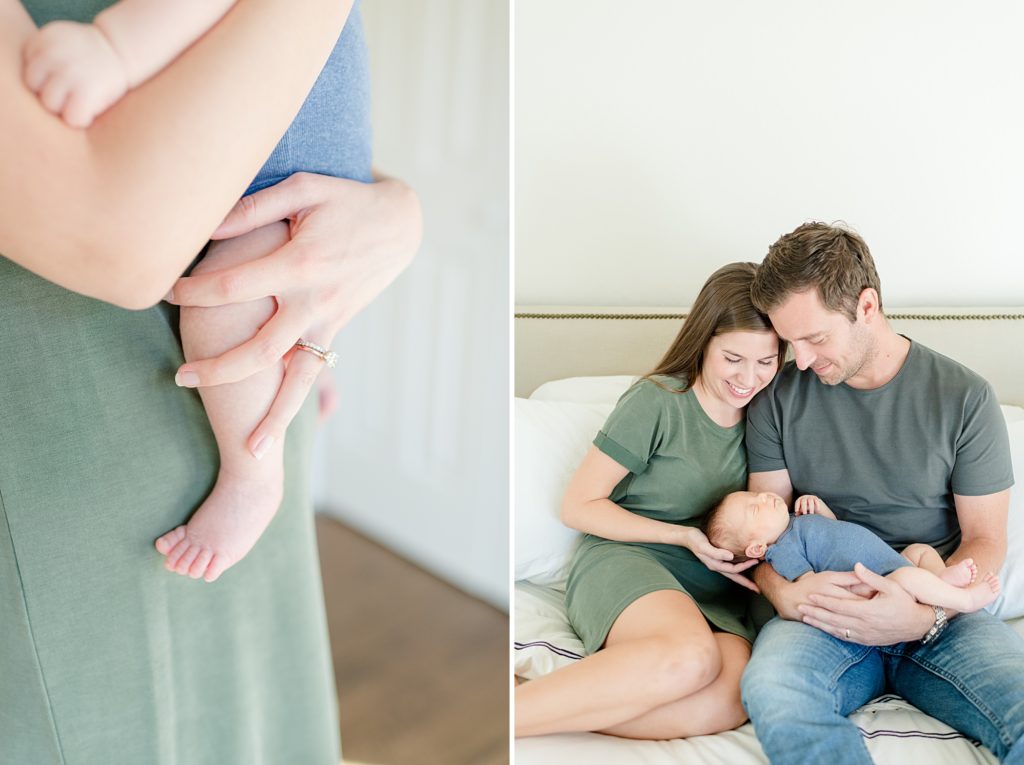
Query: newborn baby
<point x="758" y="525"/>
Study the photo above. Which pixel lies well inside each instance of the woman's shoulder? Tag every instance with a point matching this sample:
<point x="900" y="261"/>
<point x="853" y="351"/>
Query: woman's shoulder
<point x="659" y="385"/>
<point x="654" y="392"/>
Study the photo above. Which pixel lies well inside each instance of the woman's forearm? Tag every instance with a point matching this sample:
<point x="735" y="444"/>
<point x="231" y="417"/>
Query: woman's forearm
<point x="605" y="519"/>
<point x="117" y="211"/>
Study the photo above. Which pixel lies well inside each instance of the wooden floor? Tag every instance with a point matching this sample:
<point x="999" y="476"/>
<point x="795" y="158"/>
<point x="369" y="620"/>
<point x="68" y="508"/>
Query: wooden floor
<point x="421" y="668"/>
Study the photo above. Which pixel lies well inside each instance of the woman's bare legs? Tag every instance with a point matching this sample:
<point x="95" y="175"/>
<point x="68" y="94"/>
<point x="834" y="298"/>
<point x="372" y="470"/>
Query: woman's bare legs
<point x="660" y="650"/>
<point x="712" y="709"/>
<point x="248" y="491"/>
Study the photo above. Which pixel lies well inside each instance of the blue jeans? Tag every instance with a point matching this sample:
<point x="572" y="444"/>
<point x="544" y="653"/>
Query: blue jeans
<point x="801" y="683"/>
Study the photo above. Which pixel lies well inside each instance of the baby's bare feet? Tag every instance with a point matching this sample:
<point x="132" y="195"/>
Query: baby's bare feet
<point x="985" y="591"/>
<point x="226" y="525"/>
<point x="960" y="574"/>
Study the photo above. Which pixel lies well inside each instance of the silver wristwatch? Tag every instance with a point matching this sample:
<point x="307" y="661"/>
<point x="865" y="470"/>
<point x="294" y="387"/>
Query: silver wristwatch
<point x="937" y="628"/>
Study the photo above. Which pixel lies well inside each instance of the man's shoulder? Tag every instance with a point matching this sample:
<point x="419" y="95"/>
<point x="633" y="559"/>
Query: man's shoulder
<point x="950" y="373"/>
<point x="789" y="382"/>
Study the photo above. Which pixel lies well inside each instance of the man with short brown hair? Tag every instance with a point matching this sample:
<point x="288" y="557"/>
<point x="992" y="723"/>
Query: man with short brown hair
<point x="913" y="446"/>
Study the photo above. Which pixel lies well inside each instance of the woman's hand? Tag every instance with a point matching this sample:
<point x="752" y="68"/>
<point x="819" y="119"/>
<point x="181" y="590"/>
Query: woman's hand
<point x="718" y="559"/>
<point x="349" y="240"/>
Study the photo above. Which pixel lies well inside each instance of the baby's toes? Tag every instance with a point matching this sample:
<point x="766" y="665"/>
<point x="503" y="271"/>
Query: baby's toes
<point x="218" y="564"/>
<point x="199" y="565"/>
<point x="182" y="566"/>
<point x="167" y="542"/>
<point x="176" y="552"/>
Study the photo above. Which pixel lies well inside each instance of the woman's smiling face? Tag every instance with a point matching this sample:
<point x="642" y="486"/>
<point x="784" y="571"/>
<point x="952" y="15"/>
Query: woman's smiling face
<point x="739" y="364"/>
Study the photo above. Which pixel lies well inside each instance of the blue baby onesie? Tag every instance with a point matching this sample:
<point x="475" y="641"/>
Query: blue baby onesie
<point x="815" y="543"/>
<point x="331" y="133"/>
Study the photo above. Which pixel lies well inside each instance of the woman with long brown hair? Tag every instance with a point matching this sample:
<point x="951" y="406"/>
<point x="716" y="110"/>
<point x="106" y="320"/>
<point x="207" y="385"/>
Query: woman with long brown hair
<point x="663" y="614"/>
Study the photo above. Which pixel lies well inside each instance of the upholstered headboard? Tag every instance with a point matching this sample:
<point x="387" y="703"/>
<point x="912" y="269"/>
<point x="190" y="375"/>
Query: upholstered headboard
<point x="553" y="342"/>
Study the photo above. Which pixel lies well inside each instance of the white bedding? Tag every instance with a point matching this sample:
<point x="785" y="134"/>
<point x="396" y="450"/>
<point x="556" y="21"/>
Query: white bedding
<point x="895" y="732"/>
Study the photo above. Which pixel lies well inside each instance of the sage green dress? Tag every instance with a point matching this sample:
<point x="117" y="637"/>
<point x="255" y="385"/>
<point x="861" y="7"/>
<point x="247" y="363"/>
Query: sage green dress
<point x="680" y="464"/>
<point x="105" y="657"/>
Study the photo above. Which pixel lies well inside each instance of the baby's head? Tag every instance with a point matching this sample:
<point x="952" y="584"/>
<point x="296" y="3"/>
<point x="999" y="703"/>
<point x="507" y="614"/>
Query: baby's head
<point x="746" y="522"/>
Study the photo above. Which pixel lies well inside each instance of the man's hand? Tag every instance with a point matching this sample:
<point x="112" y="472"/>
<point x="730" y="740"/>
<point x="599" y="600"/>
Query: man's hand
<point x="789" y="597"/>
<point x="74" y="70"/>
<point x="892" y="616"/>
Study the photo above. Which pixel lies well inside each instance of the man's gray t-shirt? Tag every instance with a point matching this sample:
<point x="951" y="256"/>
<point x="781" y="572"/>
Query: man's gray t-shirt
<point x="890" y="458"/>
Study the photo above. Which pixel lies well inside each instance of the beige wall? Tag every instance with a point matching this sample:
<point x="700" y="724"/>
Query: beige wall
<point x="659" y="139"/>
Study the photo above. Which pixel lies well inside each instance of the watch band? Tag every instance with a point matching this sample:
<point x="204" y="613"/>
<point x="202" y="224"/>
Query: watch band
<point x="936" y="628"/>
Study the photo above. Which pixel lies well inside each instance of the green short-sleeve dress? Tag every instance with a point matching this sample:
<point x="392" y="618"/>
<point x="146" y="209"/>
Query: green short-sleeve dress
<point x="681" y="463"/>
<point x="105" y="657"/>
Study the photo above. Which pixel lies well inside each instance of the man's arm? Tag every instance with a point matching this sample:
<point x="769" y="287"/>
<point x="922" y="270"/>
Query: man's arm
<point x="823" y="600"/>
<point x="982" y="530"/>
<point x="786" y="596"/>
<point x="775" y="481"/>
<point x="893" y="616"/>
<point x="118" y="211"/>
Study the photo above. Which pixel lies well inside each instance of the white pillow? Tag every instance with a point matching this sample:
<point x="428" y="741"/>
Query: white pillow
<point x="1012" y="413"/>
<point x="1010" y="603"/>
<point x="544" y="640"/>
<point x="551" y="438"/>
<point x="585" y="390"/>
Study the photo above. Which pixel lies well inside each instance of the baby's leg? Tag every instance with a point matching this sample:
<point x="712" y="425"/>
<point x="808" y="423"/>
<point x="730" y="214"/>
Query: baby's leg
<point x="928" y="588"/>
<point x="248" y="491"/>
<point x="925" y="556"/>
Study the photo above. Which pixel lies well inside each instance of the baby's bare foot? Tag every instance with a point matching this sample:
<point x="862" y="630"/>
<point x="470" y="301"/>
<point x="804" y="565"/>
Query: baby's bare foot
<point x="225" y="527"/>
<point x="961" y="574"/>
<point x="985" y="591"/>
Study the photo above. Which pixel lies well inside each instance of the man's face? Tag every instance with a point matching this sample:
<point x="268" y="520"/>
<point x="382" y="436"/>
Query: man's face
<point x="824" y="341"/>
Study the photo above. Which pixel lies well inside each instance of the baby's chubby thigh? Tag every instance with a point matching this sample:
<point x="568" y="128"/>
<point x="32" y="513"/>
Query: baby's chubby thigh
<point x="225" y="253"/>
<point x="236" y="322"/>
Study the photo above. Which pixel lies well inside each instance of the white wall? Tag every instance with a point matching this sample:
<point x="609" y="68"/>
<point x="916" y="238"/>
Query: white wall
<point x="417" y="457"/>
<point x="658" y="139"/>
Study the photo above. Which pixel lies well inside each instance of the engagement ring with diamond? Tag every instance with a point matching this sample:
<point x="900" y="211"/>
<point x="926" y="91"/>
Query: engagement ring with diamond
<point x="326" y="355"/>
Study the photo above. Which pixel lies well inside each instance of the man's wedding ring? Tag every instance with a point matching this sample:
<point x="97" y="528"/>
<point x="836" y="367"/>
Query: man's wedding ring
<point x="847" y="634"/>
<point x="329" y="357"/>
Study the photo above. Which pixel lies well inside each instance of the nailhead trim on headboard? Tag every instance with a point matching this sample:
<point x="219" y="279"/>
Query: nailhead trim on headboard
<point x="900" y="316"/>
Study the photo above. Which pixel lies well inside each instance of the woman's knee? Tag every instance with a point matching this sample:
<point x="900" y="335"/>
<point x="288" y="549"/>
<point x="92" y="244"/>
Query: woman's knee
<point x="682" y="666"/>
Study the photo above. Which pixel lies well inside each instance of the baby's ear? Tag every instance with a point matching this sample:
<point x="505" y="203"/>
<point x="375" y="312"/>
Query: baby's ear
<point x="755" y="550"/>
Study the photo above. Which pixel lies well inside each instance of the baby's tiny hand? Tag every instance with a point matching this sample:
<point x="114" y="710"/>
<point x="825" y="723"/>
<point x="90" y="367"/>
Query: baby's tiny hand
<point x="809" y="504"/>
<point x="806" y="505"/>
<point x="74" y="71"/>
